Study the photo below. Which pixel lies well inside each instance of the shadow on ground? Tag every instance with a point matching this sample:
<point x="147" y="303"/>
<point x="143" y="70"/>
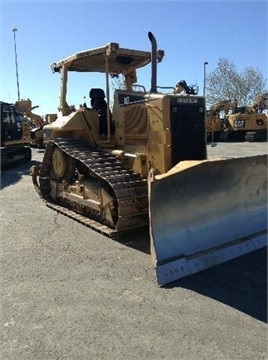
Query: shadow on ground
<point x="15" y="173"/>
<point x="240" y="283"/>
<point x="138" y="240"/>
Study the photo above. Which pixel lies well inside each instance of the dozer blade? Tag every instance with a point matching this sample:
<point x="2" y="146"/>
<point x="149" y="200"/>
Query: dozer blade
<point x="203" y="213"/>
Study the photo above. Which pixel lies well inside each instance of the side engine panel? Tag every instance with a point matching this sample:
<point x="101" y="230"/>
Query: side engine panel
<point x="160" y="129"/>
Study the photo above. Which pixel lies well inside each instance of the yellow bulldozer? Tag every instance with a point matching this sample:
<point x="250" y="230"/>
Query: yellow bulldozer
<point x="144" y="163"/>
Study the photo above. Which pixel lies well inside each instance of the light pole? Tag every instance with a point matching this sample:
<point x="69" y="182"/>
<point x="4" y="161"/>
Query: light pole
<point x="204" y="88"/>
<point x="16" y="62"/>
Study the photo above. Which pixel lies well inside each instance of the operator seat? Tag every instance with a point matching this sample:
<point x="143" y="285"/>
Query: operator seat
<point x="98" y="102"/>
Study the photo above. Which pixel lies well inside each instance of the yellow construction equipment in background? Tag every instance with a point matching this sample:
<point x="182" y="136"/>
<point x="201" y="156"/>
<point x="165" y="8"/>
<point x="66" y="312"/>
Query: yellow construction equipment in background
<point x="15" y="136"/>
<point x="225" y="121"/>
<point x="37" y="122"/>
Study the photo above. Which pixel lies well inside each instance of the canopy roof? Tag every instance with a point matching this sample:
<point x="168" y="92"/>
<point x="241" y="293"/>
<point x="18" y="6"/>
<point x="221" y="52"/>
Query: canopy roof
<point x="117" y="60"/>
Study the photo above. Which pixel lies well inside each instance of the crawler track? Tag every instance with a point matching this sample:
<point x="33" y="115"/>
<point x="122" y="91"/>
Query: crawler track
<point x="128" y="190"/>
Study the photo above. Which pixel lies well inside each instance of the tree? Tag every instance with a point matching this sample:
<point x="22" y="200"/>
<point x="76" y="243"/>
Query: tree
<point x="225" y="83"/>
<point x="118" y="82"/>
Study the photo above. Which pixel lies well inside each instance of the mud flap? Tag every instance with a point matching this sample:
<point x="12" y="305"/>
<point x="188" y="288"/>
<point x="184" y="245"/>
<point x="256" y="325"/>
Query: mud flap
<point x="203" y="213"/>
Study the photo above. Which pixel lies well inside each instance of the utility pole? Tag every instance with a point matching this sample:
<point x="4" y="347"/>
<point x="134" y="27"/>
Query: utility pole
<point x="16" y="62"/>
<point x="204" y="88"/>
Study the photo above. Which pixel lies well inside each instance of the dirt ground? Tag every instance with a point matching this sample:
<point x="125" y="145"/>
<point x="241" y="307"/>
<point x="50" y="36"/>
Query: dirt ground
<point x="68" y="292"/>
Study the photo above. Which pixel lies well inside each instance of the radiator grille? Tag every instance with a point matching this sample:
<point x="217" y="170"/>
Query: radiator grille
<point x="187" y="132"/>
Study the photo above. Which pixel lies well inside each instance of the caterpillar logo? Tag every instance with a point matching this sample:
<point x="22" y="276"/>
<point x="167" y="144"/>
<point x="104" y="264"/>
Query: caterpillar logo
<point x="239" y="123"/>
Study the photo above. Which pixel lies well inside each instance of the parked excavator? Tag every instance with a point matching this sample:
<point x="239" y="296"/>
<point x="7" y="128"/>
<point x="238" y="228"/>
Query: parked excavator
<point x="246" y="126"/>
<point x="225" y="121"/>
<point x="246" y="123"/>
<point x="144" y="164"/>
<point x="15" y="136"/>
<point x="37" y="122"/>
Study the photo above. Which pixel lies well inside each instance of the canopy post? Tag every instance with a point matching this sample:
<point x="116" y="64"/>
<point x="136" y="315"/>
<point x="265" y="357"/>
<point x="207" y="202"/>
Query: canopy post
<point x="108" y="98"/>
<point x="64" y="107"/>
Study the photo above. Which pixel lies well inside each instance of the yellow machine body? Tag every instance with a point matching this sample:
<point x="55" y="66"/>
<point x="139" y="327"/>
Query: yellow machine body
<point x="251" y="126"/>
<point x="144" y="164"/>
<point x="15" y="136"/>
<point x="36" y="121"/>
<point x="214" y="127"/>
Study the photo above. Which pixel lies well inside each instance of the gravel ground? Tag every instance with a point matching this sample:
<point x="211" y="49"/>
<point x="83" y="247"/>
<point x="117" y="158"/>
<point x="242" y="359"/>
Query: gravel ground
<point x="69" y="292"/>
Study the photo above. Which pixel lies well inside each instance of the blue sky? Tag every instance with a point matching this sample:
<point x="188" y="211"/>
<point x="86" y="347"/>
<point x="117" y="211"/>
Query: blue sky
<point x="190" y="32"/>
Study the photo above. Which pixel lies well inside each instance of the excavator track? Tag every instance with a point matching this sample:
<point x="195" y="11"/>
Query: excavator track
<point x="127" y="189"/>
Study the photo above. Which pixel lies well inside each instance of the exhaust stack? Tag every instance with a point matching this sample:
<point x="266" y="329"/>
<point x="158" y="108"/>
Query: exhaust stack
<point x="154" y="62"/>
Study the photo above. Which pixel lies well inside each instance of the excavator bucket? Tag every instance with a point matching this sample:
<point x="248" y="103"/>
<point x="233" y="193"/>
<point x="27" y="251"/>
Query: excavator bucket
<point x="203" y="213"/>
